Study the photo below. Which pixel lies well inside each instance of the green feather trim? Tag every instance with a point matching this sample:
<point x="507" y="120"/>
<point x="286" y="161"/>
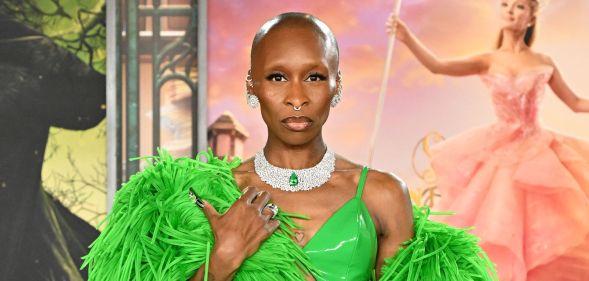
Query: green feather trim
<point x="438" y="252"/>
<point x="155" y="231"/>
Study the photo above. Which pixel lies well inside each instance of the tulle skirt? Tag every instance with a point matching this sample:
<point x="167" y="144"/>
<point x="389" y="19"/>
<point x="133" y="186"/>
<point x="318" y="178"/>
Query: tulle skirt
<point x="526" y="193"/>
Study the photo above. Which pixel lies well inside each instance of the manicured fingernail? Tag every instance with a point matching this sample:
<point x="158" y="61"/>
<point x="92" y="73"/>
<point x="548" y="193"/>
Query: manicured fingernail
<point x="199" y="202"/>
<point x="192" y="195"/>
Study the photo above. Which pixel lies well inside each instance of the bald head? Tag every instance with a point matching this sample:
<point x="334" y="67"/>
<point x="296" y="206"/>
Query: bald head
<point x="295" y="20"/>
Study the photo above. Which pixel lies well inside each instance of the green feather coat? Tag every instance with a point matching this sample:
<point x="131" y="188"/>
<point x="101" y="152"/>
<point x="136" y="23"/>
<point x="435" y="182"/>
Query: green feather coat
<point x="155" y="232"/>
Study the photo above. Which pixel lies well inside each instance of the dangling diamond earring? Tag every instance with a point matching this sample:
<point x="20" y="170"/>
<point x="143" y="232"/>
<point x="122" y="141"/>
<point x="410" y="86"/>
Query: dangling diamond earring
<point x="337" y="98"/>
<point x="251" y="99"/>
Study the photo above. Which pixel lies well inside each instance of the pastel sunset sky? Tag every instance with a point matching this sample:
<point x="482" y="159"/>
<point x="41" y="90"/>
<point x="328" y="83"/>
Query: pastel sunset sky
<point x="417" y="101"/>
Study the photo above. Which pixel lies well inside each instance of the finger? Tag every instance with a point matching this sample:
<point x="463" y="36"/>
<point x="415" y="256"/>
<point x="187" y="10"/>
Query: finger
<point x="271" y="226"/>
<point x="261" y="200"/>
<point x="250" y="195"/>
<point x="267" y="213"/>
<point x="209" y="210"/>
<point x="243" y="191"/>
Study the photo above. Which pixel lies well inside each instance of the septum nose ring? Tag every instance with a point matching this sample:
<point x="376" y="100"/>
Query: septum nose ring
<point x="297" y="108"/>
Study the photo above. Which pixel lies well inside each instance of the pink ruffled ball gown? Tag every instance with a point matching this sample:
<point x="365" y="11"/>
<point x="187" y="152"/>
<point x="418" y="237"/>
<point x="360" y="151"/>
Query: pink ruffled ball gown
<point x="525" y="189"/>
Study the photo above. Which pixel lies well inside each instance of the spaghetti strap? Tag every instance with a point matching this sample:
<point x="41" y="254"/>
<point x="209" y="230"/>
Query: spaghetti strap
<point x="361" y="182"/>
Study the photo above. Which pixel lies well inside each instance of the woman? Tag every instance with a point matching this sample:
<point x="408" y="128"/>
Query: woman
<point x="294" y="75"/>
<point x="523" y="188"/>
<point x="42" y="85"/>
<point x="355" y="217"/>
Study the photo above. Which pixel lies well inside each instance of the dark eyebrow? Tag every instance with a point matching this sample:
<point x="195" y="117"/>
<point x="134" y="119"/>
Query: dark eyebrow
<point x="283" y="64"/>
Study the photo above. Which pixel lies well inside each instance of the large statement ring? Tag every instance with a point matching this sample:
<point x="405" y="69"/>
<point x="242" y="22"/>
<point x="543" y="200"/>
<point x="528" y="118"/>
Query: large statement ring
<point x="273" y="208"/>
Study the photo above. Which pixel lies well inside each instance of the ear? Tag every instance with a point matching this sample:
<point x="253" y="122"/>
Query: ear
<point x="532" y="22"/>
<point x="338" y="81"/>
<point x="249" y="82"/>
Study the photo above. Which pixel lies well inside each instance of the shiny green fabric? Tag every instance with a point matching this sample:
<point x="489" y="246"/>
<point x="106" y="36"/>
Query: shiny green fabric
<point x="344" y="248"/>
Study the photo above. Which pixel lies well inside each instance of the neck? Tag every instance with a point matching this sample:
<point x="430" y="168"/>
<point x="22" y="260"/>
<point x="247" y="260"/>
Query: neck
<point x="513" y="40"/>
<point x="295" y="157"/>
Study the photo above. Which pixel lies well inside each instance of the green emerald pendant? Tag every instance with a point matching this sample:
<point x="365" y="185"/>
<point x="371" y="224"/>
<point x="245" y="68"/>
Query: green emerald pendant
<point x="294" y="179"/>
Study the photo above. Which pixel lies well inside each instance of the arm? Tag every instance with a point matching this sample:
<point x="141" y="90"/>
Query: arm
<point x="393" y="213"/>
<point x="472" y="65"/>
<point x="564" y="93"/>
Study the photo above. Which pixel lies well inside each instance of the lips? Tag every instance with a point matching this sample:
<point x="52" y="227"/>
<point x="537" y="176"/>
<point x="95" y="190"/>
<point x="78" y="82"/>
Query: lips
<point x="297" y="123"/>
<point x="508" y="18"/>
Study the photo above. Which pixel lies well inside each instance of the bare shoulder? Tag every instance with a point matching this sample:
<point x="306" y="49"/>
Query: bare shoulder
<point x="484" y="56"/>
<point x="381" y="189"/>
<point x="386" y="186"/>
<point x="543" y="59"/>
<point x="387" y="196"/>
<point x="483" y="59"/>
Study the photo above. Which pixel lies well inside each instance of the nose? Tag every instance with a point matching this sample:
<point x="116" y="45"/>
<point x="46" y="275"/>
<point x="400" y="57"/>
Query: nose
<point x="296" y="96"/>
<point x="511" y="8"/>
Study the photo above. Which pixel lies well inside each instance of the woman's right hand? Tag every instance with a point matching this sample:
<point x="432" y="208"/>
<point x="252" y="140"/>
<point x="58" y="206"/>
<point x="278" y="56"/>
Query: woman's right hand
<point x="396" y="27"/>
<point x="241" y="230"/>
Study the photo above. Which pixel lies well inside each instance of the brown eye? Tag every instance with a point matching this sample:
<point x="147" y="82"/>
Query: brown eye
<point x="314" y="77"/>
<point x="276" y="77"/>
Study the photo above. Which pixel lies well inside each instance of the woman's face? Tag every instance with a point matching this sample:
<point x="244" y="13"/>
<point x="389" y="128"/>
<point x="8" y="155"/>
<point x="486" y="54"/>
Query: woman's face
<point x="517" y="14"/>
<point x="291" y="68"/>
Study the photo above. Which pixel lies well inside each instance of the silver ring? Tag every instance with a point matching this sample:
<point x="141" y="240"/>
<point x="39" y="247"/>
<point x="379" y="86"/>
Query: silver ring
<point x="297" y="108"/>
<point x="273" y="208"/>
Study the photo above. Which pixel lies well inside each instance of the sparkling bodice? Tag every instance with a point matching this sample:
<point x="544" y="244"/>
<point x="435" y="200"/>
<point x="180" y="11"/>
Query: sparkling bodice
<point x="516" y="98"/>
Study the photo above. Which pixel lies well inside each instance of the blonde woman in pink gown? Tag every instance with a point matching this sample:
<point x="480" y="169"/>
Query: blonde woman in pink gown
<point x="525" y="189"/>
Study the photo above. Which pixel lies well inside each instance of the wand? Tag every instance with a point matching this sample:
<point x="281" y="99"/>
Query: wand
<point x="383" y="87"/>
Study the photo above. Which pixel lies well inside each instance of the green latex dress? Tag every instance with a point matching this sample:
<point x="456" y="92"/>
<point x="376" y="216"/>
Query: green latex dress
<point x="344" y="248"/>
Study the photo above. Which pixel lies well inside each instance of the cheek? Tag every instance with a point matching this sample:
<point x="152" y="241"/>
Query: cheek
<point x="522" y="16"/>
<point x="320" y="94"/>
<point x="270" y="91"/>
<point x="270" y="101"/>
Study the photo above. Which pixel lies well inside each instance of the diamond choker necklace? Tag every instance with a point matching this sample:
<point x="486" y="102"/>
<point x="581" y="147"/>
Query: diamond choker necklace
<point x="294" y="180"/>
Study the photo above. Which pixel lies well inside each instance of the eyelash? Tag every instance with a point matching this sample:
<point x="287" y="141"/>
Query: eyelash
<point x="273" y="76"/>
<point x="317" y="76"/>
<point x="521" y="7"/>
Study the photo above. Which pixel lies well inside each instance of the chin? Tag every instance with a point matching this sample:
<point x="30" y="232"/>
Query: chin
<point x="297" y="138"/>
<point x="506" y="26"/>
<point x="513" y="27"/>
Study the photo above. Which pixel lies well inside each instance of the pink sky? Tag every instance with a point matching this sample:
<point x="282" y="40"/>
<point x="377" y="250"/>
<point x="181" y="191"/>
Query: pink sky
<point x="417" y="102"/>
